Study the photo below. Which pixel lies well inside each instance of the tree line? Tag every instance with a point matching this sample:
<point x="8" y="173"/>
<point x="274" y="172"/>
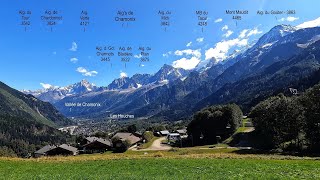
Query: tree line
<point x="281" y="122"/>
<point x="289" y="123"/>
<point x="214" y="124"/>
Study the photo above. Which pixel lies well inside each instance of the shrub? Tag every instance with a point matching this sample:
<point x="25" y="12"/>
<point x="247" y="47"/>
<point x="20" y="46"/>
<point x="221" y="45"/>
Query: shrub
<point x="148" y="136"/>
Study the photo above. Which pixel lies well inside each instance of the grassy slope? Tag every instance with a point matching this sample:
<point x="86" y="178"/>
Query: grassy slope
<point x="161" y="168"/>
<point x="241" y="129"/>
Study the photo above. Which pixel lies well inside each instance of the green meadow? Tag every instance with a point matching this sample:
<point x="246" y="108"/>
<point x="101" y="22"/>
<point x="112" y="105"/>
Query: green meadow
<point x="162" y="165"/>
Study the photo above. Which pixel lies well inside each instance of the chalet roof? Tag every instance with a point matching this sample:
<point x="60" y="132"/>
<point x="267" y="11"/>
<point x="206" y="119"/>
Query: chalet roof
<point x="138" y="134"/>
<point x="127" y="136"/>
<point x="45" y="149"/>
<point x="174" y="134"/>
<point x="165" y="132"/>
<point x="181" y="131"/>
<point x="101" y="140"/>
<point x="91" y="139"/>
<point x="69" y="148"/>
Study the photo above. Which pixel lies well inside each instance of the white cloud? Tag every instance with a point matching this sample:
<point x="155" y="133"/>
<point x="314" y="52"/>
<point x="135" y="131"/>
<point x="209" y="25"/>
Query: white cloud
<point x="199" y="40"/>
<point x="218" y="20"/>
<point x="228" y="33"/>
<point x="167" y="54"/>
<point x="123" y="74"/>
<point x="74" y="46"/>
<point x="290" y="19"/>
<point x="86" y="72"/>
<point x="193" y="57"/>
<point x="309" y="24"/>
<point x="189" y="44"/>
<point x="225" y="27"/>
<point x="142" y="65"/>
<point x="249" y="32"/>
<point x="186" y="63"/>
<point x="254" y="31"/>
<point x="138" y="56"/>
<point x="188" y="52"/>
<point x="221" y="49"/>
<point x="243" y="33"/>
<point x="74" y="60"/>
<point x="46" y="86"/>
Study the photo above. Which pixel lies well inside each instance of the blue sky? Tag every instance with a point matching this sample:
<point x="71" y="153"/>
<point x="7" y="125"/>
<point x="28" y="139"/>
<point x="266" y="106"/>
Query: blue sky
<point x="41" y="56"/>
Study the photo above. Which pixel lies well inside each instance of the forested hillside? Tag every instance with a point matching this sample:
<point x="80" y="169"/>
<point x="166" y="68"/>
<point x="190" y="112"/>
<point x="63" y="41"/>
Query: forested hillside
<point x="27" y="123"/>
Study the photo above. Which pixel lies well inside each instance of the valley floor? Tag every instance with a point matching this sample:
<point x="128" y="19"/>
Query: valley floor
<point x="185" y="163"/>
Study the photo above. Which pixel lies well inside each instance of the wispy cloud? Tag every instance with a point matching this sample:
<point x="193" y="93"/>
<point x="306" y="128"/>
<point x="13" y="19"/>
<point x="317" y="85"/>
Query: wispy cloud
<point x="188" y="52"/>
<point x="218" y="20"/>
<point x="243" y="33"/>
<point x="74" y="46"/>
<point x="289" y="19"/>
<point x="189" y="44"/>
<point x="167" y="54"/>
<point x="86" y="72"/>
<point x="254" y="31"/>
<point x="74" y="60"/>
<point x="228" y="33"/>
<point x="249" y="32"/>
<point x="199" y="40"/>
<point x="138" y="56"/>
<point x="225" y="27"/>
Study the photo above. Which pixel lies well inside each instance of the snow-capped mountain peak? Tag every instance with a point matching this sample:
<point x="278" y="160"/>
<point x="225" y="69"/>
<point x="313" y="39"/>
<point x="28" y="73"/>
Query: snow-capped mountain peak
<point x="81" y="87"/>
<point x="205" y="64"/>
<point x="55" y="93"/>
<point x="169" y="73"/>
<point x="274" y="34"/>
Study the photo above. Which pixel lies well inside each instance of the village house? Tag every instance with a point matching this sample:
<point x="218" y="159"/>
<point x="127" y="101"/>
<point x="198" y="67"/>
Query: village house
<point x="123" y="136"/>
<point x="163" y="133"/>
<point x="50" y="150"/>
<point x="96" y="145"/>
<point x="182" y="132"/>
<point x="43" y="151"/>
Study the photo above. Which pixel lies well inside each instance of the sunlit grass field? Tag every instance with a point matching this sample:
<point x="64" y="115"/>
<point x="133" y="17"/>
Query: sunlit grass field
<point x="186" y="163"/>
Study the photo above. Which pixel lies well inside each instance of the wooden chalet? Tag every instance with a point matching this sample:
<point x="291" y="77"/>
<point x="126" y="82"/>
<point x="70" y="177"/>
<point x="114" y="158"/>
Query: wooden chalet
<point x="63" y="149"/>
<point x="132" y="138"/>
<point x="53" y="150"/>
<point x="96" y="145"/>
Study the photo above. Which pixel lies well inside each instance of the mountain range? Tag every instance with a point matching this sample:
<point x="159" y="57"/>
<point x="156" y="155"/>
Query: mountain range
<point x="281" y="57"/>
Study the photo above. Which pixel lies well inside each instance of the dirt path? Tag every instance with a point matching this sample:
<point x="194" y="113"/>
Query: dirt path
<point x="156" y="146"/>
<point x="249" y="129"/>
